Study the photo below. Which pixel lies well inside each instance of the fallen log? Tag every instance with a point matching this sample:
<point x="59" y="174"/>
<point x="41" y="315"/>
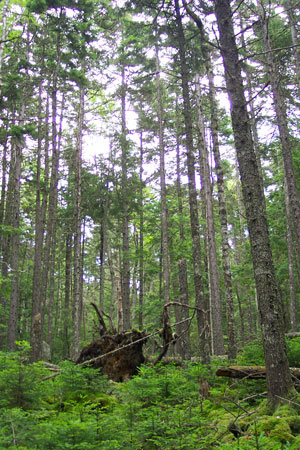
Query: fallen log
<point x="250" y="372"/>
<point x="292" y="335"/>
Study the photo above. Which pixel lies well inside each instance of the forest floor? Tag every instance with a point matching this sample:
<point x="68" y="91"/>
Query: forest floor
<point x="164" y="407"/>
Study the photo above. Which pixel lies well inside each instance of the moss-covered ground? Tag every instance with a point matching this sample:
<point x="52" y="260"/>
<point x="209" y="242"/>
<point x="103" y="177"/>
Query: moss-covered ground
<point x="160" y="408"/>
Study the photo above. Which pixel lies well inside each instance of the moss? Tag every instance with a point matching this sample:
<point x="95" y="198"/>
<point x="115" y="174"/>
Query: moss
<point x="267" y="424"/>
<point x="296" y="444"/>
<point x="282" y="432"/>
<point x="102" y="400"/>
<point x="294" y="423"/>
<point x="264" y="408"/>
<point x="285" y="411"/>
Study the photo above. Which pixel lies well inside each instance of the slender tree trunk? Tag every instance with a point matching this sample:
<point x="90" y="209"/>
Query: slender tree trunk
<point x="77" y="298"/>
<point x="103" y="240"/>
<point x="183" y="330"/>
<point x="40" y="204"/>
<point x="285" y="139"/>
<point x="3" y="270"/>
<point x="290" y="247"/>
<point x="202" y="313"/>
<point x="125" y="274"/>
<point x="242" y="318"/>
<point x="141" y="237"/>
<point x="294" y="33"/>
<point x="278" y="375"/>
<point x="16" y="160"/>
<point x="40" y="290"/>
<point x="4" y="31"/>
<point x="163" y="190"/>
<point x="68" y="283"/>
<point x="214" y="284"/>
<point x="113" y="279"/>
<point x="232" y="350"/>
<point x="51" y="293"/>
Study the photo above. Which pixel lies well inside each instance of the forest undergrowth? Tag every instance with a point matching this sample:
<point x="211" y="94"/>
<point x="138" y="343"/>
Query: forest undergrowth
<point x="163" y="407"/>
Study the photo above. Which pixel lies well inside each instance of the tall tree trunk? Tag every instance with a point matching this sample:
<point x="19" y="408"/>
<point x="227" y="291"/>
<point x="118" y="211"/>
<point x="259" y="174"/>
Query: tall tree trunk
<point x="183" y="330"/>
<point x="141" y="237"/>
<point x="232" y="350"/>
<point x="40" y="204"/>
<point x="3" y="270"/>
<point x="16" y="160"/>
<point x="281" y="117"/>
<point x="77" y="298"/>
<point x="40" y="291"/>
<point x="202" y="312"/>
<point x="103" y="241"/>
<point x="289" y="7"/>
<point x="4" y="31"/>
<point x="290" y="248"/>
<point x="125" y="273"/>
<point x="270" y="307"/>
<point x="51" y="293"/>
<point x="214" y="284"/>
<point x="68" y="284"/>
<point x="163" y="190"/>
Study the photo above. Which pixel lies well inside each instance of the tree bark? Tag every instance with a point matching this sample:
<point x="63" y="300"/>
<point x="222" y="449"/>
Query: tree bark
<point x="281" y="117"/>
<point x="183" y="344"/>
<point x="232" y="350"/>
<point x="278" y="375"/>
<point x="163" y="191"/>
<point x="68" y="284"/>
<point x="77" y="297"/>
<point x="289" y="7"/>
<point x="213" y="273"/>
<point x="202" y="314"/>
<point x="125" y="272"/>
<point x="16" y="160"/>
<point x="141" y="237"/>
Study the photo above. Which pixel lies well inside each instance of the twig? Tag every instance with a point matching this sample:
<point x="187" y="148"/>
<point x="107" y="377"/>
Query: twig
<point x="278" y="49"/>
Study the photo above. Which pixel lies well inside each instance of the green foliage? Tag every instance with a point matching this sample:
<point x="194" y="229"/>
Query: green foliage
<point x="160" y="408"/>
<point x="253" y="353"/>
<point x="19" y="382"/>
<point x="293" y="350"/>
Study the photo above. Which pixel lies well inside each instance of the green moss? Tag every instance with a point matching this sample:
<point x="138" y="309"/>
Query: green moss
<point x="296" y="444"/>
<point x="282" y="432"/>
<point x="294" y="423"/>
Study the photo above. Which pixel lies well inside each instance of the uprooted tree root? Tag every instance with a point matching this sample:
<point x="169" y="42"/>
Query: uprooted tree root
<point x="118" y="355"/>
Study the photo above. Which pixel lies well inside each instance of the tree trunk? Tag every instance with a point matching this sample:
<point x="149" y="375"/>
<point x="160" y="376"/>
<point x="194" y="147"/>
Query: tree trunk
<point x="4" y="33"/>
<point x="103" y="240"/>
<point x="278" y="375"/>
<point x="285" y="139"/>
<point x="68" y="283"/>
<point x="125" y="272"/>
<point x="40" y="204"/>
<point x="77" y="298"/>
<point x="141" y="237"/>
<point x="163" y="191"/>
<point x="16" y="160"/>
<point x="290" y="248"/>
<point x="202" y="314"/>
<point x="214" y="284"/>
<point x="184" y="344"/>
<point x="232" y="350"/>
<point x="289" y="7"/>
